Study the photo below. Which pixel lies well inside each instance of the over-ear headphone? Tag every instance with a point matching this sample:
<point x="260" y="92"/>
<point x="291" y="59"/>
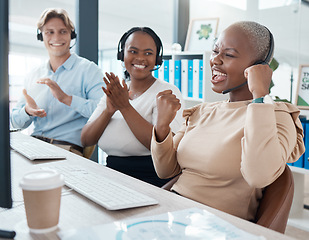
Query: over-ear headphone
<point x="270" y="52"/>
<point x="155" y="37"/>
<point x="39" y="35"/>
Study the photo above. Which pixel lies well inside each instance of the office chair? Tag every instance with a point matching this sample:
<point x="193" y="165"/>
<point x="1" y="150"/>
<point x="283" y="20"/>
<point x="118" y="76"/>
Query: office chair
<point x="88" y="151"/>
<point x="169" y="184"/>
<point x="273" y="211"/>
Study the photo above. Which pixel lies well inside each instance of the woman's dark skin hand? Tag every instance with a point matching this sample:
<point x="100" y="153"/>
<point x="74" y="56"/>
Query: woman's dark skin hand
<point x="168" y="105"/>
<point x="259" y="78"/>
<point x="117" y="94"/>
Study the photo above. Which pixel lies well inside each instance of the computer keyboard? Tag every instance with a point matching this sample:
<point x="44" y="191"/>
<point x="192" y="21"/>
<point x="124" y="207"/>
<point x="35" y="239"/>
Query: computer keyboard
<point x="99" y="189"/>
<point x="34" y="149"/>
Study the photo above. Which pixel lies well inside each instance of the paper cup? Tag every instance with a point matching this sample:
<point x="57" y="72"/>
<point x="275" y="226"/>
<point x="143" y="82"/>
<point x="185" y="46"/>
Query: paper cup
<point x="42" y="195"/>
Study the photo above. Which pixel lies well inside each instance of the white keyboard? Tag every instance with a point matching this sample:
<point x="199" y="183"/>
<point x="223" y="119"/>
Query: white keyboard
<point x="32" y="148"/>
<point x="101" y="190"/>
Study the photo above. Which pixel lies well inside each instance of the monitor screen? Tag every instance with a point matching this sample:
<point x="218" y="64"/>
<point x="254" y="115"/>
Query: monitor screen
<point x="5" y="163"/>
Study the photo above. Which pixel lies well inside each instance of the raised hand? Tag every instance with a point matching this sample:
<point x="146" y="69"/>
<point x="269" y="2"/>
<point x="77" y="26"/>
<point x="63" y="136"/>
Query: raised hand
<point x="168" y="105"/>
<point x="117" y="94"/>
<point x="57" y="92"/>
<point x="31" y="107"/>
<point x="110" y="108"/>
<point x="259" y="78"/>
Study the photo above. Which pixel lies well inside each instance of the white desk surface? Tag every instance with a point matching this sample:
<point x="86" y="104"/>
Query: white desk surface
<point x="77" y="211"/>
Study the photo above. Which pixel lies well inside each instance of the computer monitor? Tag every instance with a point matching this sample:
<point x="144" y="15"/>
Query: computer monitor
<point x="5" y="172"/>
<point x="5" y="163"/>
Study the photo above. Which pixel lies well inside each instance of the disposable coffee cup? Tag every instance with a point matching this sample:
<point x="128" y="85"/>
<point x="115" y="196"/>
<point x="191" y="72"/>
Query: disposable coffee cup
<point x="42" y="195"/>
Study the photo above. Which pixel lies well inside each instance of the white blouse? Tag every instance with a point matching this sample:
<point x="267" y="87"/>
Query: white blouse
<point x="117" y="139"/>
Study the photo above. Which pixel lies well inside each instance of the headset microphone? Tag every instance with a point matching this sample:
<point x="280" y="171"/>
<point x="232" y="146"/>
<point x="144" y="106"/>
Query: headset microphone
<point x="231" y="89"/>
<point x="155" y="68"/>
<point x="73" y="44"/>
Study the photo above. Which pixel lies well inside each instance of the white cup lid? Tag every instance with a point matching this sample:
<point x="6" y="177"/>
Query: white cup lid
<point x="42" y="179"/>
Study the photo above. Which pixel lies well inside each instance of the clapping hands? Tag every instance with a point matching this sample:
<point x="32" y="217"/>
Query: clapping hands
<point x="117" y="94"/>
<point x="57" y="92"/>
<point x="31" y="107"/>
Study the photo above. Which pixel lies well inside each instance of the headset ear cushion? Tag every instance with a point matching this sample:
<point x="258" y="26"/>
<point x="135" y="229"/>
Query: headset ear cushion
<point x="39" y="36"/>
<point x="120" y="55"/>
<point x="73" y="34"/>
<point x="159" y="60"/>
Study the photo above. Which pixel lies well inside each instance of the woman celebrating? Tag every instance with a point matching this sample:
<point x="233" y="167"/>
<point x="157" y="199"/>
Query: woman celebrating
<point x="123" y="121"/>
<point x="227" y="152"/>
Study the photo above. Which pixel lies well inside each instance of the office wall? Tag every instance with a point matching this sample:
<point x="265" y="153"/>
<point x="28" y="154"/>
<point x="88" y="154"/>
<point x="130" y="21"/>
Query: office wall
<point x="118" y="16"/>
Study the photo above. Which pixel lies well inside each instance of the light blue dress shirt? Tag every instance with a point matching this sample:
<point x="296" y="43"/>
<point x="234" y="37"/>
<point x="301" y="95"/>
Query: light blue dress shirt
<point x="77" y="77"/>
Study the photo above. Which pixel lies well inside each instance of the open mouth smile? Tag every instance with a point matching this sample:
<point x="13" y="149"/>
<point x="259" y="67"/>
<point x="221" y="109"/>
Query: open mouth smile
<point x="218" y="76"/>
<point x="57" y="44"/>
<point x="139" y="66"/>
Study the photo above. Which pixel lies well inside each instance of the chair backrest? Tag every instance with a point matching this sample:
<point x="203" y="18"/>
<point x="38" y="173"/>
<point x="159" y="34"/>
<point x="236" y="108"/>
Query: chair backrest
<point x="88" y="151"/>
<point x="275" y="205"/>
<point x="274" y="208"/>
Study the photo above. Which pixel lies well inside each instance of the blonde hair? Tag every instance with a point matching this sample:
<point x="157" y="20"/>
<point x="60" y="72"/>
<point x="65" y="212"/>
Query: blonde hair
<point x="50" y="13"/>
<point x="259" y="37"/>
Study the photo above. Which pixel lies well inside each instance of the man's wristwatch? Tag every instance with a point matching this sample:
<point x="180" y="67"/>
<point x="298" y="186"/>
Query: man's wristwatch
<point x="265" y="99"/>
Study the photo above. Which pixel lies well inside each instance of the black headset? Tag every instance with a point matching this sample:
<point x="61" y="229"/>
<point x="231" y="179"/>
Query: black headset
<point x="155" y="37"/>
<point x="266" y="61"/>
<point x="270" y="52"/>
<point x="39" y="35"/>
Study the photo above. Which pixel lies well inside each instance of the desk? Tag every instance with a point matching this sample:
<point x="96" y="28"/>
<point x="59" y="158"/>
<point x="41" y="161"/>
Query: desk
<point x="77" y="211"/>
